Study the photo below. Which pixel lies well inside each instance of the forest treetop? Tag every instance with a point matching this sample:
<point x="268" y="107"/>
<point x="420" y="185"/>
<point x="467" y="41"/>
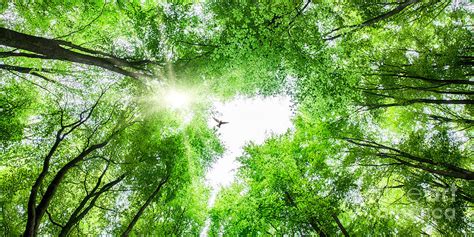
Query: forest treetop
<point x="381" y="144"/>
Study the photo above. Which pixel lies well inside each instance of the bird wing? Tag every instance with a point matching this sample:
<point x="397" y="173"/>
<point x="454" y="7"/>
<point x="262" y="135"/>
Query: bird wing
<point x="222" y="122"/>
<point x="217" y="120"/>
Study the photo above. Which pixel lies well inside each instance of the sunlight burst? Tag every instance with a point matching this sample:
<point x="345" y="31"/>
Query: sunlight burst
<point x="176" y="99"/>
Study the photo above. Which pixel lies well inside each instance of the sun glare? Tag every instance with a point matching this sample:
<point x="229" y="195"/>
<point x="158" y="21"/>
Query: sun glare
<point x="176" y="99"/>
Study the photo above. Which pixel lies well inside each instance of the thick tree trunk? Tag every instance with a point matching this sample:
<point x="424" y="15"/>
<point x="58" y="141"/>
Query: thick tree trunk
<point x="53" y="186"/>
<point x="32" y="214"/>
<point x="36" y="213"/>
<point x="143" y="207"/>
<point x="56" y="49"/>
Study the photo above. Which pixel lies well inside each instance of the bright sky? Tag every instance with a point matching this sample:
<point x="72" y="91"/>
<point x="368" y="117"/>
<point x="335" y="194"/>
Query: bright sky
<point x="250" y="119"/>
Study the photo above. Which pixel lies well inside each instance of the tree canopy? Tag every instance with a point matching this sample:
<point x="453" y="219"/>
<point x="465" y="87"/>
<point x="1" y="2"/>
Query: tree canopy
<point x="382" y="97"/>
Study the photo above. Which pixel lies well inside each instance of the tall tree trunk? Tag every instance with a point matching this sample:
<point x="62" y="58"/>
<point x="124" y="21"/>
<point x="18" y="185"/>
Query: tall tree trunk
<point x="56" y="49"/>
<point x="32" y="215"/>
<point x="143" y="207"/>
<point x="53" y="186"/>
<point x="38" y="213"/>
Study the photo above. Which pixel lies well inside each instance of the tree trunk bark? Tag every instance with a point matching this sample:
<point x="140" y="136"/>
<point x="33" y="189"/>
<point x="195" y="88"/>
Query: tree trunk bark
<point x="37" y="213"/>
<point x="55" y="49"/>
<point x="32" y="214"/>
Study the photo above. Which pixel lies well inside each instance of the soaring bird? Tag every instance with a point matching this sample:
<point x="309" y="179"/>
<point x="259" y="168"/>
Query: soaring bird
<point x="219" y="122"/>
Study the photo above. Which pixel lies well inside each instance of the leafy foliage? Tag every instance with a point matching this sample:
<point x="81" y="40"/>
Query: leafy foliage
<point x="381" y="143"/>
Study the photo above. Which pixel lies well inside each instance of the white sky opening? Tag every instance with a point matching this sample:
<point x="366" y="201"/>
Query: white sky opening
<point x="250" y="120"/>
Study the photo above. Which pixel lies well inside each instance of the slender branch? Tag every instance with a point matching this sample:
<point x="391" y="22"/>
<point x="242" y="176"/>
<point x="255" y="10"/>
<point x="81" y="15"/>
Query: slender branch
<point x="372" y="21"/>
<point x="339" y="224"/>
<point x="150" y="198"/>
<point x="28" y="55"/>
<point x="52" y="221"/>
<point x="86" y="25"/>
